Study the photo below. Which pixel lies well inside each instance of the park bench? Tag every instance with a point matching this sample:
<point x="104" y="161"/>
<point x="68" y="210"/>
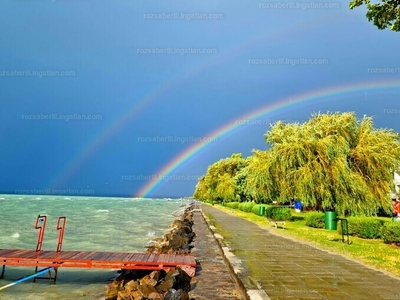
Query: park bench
<point x="276" y="223"/>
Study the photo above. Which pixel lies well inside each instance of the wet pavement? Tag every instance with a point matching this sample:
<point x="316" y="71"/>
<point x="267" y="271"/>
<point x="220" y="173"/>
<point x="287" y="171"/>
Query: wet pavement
<point x="274" y="267"/>
<point x="213" y="280"/>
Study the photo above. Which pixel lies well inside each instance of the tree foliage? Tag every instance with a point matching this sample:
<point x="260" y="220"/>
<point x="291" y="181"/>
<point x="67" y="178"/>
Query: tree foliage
<point x="332" y="161"/>
<point x="261" y="185"/>
<point x="220" y="182"/>
<point x="385" y="14"/>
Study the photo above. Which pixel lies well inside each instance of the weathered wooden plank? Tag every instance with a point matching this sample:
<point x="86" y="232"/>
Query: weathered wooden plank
<point x="88" y="256"/>
<point x="140" y="257"/>
<point x="65" y="255"/>
<point x="12" y="253"/>
<point x="93" y="259"/>
<point x="100" y="255"/>
<point x="129" y="257"/>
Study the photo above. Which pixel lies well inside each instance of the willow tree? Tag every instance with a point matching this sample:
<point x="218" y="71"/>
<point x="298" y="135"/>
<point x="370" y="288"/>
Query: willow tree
<point x="260" y="185"/>
<point x="201" y="192"/>
<point x="219" y="183"/>
<point x="334" y="161"/>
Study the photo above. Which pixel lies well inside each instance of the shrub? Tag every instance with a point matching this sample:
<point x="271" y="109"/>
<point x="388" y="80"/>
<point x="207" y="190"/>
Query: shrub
<point x="234" y="205"/>
<point x="315" y="219"/>
<point x="278" y="213"/>
<point x="390" y="233"/>
<point x="256" y="209"/>
<point x="246" y="206"/>
<point x="364" y="227"/>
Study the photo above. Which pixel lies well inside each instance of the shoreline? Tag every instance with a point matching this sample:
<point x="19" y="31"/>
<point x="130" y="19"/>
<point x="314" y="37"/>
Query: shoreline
<point x="162" y="284"/>
<point x="214" y="278"/>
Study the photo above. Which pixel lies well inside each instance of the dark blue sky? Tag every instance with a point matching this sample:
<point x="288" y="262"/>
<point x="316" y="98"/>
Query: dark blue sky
<point x="85" y="84"/>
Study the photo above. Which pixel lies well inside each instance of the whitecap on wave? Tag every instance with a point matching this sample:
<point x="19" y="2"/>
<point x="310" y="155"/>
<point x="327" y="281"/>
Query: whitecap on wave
<point x="15" y="235"/>
<point x="103" y="210"/>
<point x="151" y="233"/>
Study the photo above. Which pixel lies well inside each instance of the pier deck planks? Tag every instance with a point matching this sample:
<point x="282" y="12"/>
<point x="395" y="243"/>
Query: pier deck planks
<point x="90" y="259"/>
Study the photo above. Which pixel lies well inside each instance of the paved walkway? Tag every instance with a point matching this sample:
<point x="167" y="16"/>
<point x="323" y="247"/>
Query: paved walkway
<point x="274" y="267"/>
<point x="213" y="280"/>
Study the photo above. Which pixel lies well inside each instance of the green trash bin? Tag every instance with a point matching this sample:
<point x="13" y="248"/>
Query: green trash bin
<point x="261" y="210"/>
<point x="330" y="220"/>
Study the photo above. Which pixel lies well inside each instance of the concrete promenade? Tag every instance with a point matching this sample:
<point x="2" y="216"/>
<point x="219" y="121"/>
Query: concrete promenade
<point x="274" y="267"/>
<point x="213" y="280"/>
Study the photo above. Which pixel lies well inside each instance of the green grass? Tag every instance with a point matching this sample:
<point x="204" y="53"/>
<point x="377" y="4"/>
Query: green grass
<point x="373" y="253"/>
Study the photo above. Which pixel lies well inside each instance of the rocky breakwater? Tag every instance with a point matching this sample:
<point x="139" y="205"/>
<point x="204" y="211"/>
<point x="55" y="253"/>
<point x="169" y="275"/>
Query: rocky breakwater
<point x="173" y="284"/>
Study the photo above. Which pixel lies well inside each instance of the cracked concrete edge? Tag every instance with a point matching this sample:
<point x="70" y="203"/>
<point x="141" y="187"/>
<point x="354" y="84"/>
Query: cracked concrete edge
<point x="235" y="266"/>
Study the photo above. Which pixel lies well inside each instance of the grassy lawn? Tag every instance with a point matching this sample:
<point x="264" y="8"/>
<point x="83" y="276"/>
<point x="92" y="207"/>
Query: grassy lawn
<point x="372" y="253"/>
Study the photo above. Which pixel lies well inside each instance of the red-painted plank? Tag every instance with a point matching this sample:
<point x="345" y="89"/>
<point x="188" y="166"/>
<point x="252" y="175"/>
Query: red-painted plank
<point x="92" y="259"/>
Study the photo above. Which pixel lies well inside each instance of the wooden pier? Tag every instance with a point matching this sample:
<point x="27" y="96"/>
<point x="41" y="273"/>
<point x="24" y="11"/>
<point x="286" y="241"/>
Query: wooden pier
<point x="92" y="259"/>
<point x="89" y="259"/>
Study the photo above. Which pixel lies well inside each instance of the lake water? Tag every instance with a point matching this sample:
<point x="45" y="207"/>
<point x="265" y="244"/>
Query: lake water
<point x="93" y="223"/>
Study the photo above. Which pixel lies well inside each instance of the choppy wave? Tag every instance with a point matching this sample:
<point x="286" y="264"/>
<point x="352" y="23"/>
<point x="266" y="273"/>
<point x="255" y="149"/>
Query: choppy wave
<point x="15" y="235"/>
<point x="151" y="233"/>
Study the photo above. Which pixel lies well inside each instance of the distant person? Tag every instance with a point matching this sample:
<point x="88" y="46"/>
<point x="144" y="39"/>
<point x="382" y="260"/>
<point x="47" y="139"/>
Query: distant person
<point x="396" y="210"/>
<point x="298" y="206"/>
